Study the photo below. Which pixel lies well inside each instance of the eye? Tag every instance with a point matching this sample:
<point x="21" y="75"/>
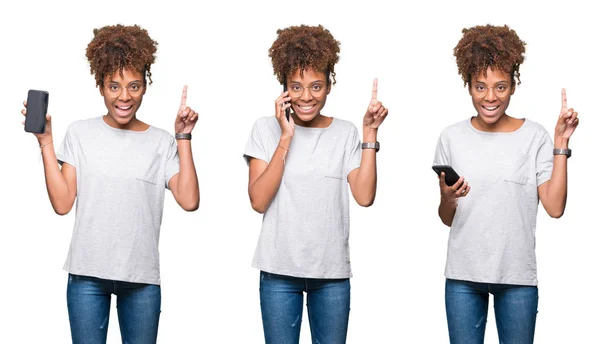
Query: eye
<point x="113" y="88"/>
<point x="295" y="88"/>
<point x="134" y="87"/>
<point x="501" y="88"/>
<point x="479" y="88"/>
<point x="317" y="88"/>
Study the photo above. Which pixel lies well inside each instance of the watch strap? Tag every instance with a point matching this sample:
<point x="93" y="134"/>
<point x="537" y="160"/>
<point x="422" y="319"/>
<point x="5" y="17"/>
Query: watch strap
<point x="371" y="145"/>
<point x="183" y="136"/>
<point x="566" y="152"/>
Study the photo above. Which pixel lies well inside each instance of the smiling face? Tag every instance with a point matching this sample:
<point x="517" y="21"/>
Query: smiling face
<point x="309" y="94"/>
<point x="491" y="94"/>
<point x="123" y="96"/>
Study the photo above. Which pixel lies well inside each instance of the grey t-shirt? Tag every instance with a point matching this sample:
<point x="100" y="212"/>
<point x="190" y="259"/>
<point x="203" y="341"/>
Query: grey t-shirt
<point x="305" y="229"/>
<point x="492" y="238"/>
<point x="121" y="181"/>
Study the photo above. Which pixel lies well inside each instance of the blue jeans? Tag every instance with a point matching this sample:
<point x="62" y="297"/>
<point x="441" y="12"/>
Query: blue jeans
<point x="328" y="304"/>
<point x="88" y="300"/>
<point x="515" y="307"/>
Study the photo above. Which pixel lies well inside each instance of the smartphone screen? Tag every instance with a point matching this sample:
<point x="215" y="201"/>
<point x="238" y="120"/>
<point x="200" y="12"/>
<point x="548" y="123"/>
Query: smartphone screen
<point x="451" y="176"/>
<point x="37" y="107"/>
<point x="287" y="111"/>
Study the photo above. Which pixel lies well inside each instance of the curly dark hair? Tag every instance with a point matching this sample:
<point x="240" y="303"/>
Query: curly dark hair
<point x="489" y="46"/>
<point x="119" y="47"/>
<point x="302" y="47"/>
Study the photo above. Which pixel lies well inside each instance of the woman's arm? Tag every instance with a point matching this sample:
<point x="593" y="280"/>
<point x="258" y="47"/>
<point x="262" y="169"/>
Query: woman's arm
<point x="449" y="198"/>
<point x="363" y="180"/>
<point x="265" y="178"/>
<point x="553" y="194"/>
<point x="61" y="184"/>
<point x="184" y="185"/>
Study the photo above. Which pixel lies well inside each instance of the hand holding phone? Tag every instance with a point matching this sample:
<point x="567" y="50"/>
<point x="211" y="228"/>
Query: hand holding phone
<point x="451" y="191"/>
<point x="451" y="176"/>
<point x="37" y="108"/>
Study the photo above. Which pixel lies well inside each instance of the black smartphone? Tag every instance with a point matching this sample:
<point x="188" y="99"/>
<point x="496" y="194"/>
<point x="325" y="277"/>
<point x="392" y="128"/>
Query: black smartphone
<point x="287" y="110"/>
<point x="37" y="107"/>
<point x="451" y="176"/>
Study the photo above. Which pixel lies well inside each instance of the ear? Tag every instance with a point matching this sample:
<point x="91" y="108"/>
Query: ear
<point x="329" y="87"/>
<point x="469" y="88"/>
<point x="101" y="90"/>
<point x="513" y="88"/>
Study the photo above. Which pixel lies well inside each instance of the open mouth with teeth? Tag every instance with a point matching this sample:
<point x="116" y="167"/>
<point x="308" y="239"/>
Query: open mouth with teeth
<point x="306" y="109"/>
<point x="124" y="111"/>
<point x="490" y="110"/>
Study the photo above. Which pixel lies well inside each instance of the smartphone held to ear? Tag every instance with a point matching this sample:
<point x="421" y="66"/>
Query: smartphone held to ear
<point x="451" y="177"/>
<point x="287" y="110"/>
<point x="37" y="108"/>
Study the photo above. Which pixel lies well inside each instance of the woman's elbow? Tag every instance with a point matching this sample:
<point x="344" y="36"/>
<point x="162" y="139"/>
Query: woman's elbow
<point x="259" y="208"/>
<point x="192" y="206"/>
<point x="61" y="210"/>
<point x="365" y="201"/>
<point x="556" y="214"/>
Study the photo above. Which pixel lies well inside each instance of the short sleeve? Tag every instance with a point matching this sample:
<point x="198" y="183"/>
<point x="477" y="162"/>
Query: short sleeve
<point x="353" y="152"/>
<point x="255" y="147"/>
<point x="544" y="160"/>
<point x="441" y="156"/>
<point x="172" y="163"/>
<point x="67" y="151"/>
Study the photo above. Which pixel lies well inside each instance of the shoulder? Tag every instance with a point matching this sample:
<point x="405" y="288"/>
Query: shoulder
<point x="533" y="126"/>
<point x="344" y="125"/>
<point x="266" y="122"/>
<point x="160" y="132"/>
<point x="84" y="125"/>
<point x="165" y="138"/>
<point x="534" y="129"/>
<point x="266" y="126"/>
<point x="456" y="129"/>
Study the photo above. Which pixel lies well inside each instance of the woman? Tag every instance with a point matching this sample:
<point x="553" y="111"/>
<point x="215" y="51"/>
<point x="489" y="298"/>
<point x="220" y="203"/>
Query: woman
<point x="510" y="164"/>
<point x="118" y="167"/>
<point x="298" y="173"/>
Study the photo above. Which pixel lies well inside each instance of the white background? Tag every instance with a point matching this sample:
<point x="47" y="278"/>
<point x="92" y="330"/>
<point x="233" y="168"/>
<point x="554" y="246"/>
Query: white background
<point x="219" y="49"/>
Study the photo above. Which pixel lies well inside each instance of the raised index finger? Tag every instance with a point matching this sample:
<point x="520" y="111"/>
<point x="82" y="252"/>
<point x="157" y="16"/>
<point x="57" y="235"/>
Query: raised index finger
<point x="564" y="99"/>
<point x="374" y="94"/>
<point x="183" y="98"/>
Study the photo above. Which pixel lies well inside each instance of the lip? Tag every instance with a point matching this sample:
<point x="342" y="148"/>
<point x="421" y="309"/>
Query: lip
<point x="305" y="109"/>
<point x="123" y="111"/>
<point x="490" y="111"/>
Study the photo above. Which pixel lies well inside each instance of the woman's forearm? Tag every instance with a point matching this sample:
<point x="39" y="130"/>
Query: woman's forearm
<point x="187" y="185"/>
<point x="61" y="196"/>
<point x="446" y="211"/>
<point x="263" y="189"/>
<point x="555" y="199"/>
<point x="366" y="179"/>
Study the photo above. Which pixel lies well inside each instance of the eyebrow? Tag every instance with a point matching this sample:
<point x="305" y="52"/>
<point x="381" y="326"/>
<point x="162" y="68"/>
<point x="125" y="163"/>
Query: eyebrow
<point x="313" y="82"/>
<point x="499" y="82"/>
<point x="116" y="82"/>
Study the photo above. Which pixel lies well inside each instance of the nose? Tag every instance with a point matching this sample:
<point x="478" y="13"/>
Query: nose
<point x="490" y="95"/>
<point x="306" y="95"/>
<point x="124" y="95"/>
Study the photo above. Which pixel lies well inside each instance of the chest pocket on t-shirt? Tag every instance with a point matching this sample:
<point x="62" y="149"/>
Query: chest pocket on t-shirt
<point x="148" y="167"/>
<point x="516" y="171"/>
